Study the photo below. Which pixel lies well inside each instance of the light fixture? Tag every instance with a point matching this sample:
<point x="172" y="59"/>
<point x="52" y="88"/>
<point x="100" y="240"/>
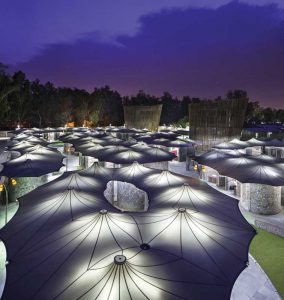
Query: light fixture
<point x="13" y="181"/>
<point x="195" y="168"/>
<point x="203" y="168"/>
<point x="1" y="187"/>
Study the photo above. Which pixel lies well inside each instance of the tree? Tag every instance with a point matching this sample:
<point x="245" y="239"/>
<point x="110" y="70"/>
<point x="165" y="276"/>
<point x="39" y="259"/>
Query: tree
<point x="20" y="99"/>
<point x="170" y="105"/>
<point x="108" y="105"/>
<point x="7" y="87"/>
<point x="141" y="98"/>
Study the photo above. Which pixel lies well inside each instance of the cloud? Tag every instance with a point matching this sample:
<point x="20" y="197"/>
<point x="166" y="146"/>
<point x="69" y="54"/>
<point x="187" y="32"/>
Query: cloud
<point x="27" y="27"/>
<point x="193" y="52"/>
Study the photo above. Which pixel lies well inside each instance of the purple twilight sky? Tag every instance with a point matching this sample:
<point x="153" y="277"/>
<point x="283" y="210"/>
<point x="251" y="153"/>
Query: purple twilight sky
<point x="200" y="48"/>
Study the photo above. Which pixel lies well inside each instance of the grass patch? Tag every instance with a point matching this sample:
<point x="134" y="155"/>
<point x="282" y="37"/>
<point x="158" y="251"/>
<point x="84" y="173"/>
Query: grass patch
<point x="268" y="250"/>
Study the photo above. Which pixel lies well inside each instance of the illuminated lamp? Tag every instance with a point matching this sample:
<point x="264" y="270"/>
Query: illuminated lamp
<point x="203" y="168"/>
<point x="120" y="259"/>
<point x="1" y="187"/>
<point x="195" y="168"/>
<point x="13" y="181"/>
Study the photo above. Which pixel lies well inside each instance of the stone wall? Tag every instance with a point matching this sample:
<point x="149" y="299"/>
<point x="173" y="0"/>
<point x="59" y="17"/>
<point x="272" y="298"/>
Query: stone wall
<point x="24" y="186"/>
<point x="261" y="199"/>
<point x="275" y="151"/>
<point x="269" y="227"/>
<point x="126" y="196"/>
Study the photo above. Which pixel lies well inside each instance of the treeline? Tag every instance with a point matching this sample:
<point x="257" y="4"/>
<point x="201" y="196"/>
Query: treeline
<point x="33" y="104"/>
<point x="257" y="114"/>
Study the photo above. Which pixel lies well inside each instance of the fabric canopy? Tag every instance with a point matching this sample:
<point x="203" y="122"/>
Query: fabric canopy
<point x="33" y="164"/>
<point x="70" y="243"/>
<point x="229" y="145"/>
<point x="23" y="147"/>
<point x="120" y="154"/>
<point x="261" y="169"/>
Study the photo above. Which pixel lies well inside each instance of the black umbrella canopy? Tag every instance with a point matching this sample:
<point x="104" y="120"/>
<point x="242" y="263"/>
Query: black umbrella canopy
<point x="80" y="129"/>
<point x="229" y="146"/>
<point x="260" y="169"/>
<point x="128" y="155"/>
<point x="74" y="244"/>
<point x="140" y="146"/>
<point x="196" y="196"/>
<point x="181" y="132"/>
<point x="203" y="243"/>
<point x="162" y="179"/>
<point x="23" y="147"/>
<point x="36" y="140"/>
<point x="263" y="158"/>
<point x="241" y="144"/>
<point x="173" y="142"/>
<point x="135" y="174"/>
<point x="48" y="153"/>
<point x="112" y="141"/>
<point x="227" y="164"/>
<point x="150" y="137"/>
<point x="48" y="130"/>
<point x="52" y="206"/>
<point x="214" y="158"/>
<point x="21" y="136"/>
<point x="111" y="129"/>
<point x="32" y="165"/>
<point x="9" y="143"/>
<point x="106" y="153"/>
<point x="80" y="140"/>
<point x="88" y="148"/>
<point x="136" y="273"/>
<point x="101" y="173"/>
<point x="247" y="170"/>
<point x="167" y="135"/>
<point x="129" y="130"/>
<point x="74" y="138"/>
<point x="254" y="142"/>
<point x="181" y="143"/>
<point x="157" y="155"/>
<point x="68" y="231"/>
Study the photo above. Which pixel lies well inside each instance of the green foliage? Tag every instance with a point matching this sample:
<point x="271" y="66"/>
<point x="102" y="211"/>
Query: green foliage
<point x="268" y="250"/>
<point x="257" y="114"/>
<point x="108" y="104"/>
<point x="183" y="122"/>
<point x="170" y="110"/>
<point x="95" y="117"/>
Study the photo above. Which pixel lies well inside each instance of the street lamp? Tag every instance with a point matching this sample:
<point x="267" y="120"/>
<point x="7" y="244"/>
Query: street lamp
<point x="4" y="188"/>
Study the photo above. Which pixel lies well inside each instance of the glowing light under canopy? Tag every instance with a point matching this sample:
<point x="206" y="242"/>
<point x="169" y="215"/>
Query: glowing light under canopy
<point x="71" y="243"/>
<point x="33" y="164"/>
